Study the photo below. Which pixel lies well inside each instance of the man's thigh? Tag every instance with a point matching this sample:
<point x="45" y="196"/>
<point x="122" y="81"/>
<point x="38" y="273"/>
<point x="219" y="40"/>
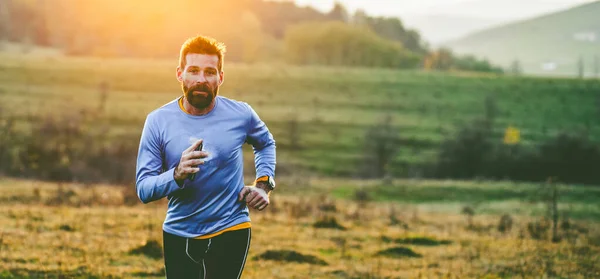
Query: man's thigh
<point x="226" y="256"/>
<point x="183" y="257"/>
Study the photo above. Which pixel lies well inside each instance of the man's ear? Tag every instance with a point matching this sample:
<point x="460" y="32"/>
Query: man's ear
<point x="221" y="77"/>
<point x="178" y="74"/>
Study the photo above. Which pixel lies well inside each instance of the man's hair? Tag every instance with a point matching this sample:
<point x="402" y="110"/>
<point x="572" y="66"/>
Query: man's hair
<point x="202" y="45"/>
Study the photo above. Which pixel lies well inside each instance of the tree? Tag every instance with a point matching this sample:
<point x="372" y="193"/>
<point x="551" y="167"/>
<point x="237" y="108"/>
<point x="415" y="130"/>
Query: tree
<point x="252" y="37"/>
<point x="337" y="43"/>
<point x="338" y="12"/>
<point x="515" y="67"/>
<point x="40" y="32"/>
<point x="277" y="16"/>
<point x="439" y="60"/>
<point x="580" y="67"/>
<point x="381" y="144"/>
<point x="412" y="41"/>
<point x="468" y="154"/>
<point x="4" y="21"/>
<point x="360" y="18"/>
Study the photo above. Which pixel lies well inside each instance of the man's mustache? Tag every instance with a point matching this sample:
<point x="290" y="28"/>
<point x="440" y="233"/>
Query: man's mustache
<point x="200" y="87"/>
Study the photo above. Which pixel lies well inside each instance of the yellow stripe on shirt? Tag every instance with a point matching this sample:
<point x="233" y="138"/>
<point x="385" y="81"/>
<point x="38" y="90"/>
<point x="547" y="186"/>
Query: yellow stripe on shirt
<point x="181" y="105"/>
<point x="241" y="226"/>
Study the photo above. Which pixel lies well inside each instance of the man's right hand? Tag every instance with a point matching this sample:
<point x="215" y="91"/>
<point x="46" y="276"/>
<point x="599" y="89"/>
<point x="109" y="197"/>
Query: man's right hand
<point x="189" y="163"/>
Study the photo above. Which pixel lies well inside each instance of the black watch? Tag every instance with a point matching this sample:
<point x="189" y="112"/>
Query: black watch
<point x="269" y="181"/>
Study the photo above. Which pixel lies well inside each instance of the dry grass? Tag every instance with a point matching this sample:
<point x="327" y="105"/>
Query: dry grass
<point x="47" y="231"/>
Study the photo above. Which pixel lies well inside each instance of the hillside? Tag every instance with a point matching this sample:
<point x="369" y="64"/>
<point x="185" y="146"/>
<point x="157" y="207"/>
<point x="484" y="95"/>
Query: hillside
<point x="504" y="9"/>
<point x="321" y="117"/>
<point x="556" y="40"/>
<point x="440" y="28"/>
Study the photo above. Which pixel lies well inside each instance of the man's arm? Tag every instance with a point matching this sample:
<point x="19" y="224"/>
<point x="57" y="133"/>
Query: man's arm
<point x="262" y="142"/>
<point x="263" y="145"/>
<point x="151" y="184"/>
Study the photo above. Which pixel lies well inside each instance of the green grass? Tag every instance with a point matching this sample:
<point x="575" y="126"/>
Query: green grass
<point x="333" y="106"/>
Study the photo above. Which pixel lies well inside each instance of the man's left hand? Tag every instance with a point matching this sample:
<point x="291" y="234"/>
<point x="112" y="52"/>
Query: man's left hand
<point x="255" y="197"/>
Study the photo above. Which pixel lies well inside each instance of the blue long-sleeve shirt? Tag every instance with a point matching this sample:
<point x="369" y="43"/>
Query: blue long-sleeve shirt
<point x="209" y="203"/>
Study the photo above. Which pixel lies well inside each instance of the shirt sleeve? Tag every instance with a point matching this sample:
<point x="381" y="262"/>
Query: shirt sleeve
<point x="263" y="145"/>
<point x="151" y="182"/>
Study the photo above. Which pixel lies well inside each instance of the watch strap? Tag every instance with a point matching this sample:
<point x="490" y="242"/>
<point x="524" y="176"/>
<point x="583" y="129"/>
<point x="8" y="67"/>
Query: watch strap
<point x="267" y="179"/>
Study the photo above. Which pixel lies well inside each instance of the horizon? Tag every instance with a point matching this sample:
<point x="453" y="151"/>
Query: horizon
<point x="468" y="8"/>
<point x="440" y="21"/>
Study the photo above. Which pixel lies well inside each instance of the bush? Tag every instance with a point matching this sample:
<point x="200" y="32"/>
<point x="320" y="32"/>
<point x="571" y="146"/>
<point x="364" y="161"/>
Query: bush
<point x="471" y="63"/>
<point x="473" y="154"/>
<point x="573" y="159"/>
<point x="505" y="224"/>
<point x="72" y="148"/>
<point x="468" y="155"/>
<point x="443" y="60"/>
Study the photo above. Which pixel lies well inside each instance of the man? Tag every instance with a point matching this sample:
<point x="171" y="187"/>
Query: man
<point x="191" y="152"/>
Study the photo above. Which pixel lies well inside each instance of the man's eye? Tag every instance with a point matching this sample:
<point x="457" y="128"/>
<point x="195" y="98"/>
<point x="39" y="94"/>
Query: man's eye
<point x="193" y="71"/>
<point x="211" y="73"/>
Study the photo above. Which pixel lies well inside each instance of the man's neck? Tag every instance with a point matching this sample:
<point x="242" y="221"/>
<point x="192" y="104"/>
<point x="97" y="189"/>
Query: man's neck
<point x="195" y="111"/>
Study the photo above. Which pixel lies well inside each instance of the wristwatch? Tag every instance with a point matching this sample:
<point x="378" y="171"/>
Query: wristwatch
<point x="269" y="181"/>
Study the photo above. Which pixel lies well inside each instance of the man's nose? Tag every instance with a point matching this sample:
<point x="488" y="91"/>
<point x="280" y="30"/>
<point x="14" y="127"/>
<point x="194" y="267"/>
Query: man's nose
<point x="201" y="78"/>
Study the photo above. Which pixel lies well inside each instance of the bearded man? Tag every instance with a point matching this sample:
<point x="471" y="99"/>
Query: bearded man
<point x="191" y="153"/>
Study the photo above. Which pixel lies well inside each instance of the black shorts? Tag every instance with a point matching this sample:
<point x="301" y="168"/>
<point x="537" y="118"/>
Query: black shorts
<point x="219" y="257"/>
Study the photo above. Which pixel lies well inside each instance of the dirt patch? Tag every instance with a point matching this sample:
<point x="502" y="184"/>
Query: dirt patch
<point x="151" y="249"/>
<point x="423" y="241"/>
<point x="289" y="256"/>
<point x="399" y="252"/>
<point x="328" y="223"/>
<point x="66" y="228"/>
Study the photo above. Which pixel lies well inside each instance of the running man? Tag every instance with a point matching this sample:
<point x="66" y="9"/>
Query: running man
<point x="191" y="152"/>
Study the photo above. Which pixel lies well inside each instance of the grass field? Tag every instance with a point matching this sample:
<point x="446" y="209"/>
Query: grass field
<point x="317" y="227"/>
<point x="312" y="230"/>
<point x="334" y="107"/>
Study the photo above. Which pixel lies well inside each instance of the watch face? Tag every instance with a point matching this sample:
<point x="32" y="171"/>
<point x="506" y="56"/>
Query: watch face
<point x="271" y="182"/>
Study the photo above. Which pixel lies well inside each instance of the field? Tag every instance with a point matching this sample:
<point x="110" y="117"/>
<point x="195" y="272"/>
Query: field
<point x="324" y="222"/>
<point x="50" y="230"/>
<point x="325" y="113"/>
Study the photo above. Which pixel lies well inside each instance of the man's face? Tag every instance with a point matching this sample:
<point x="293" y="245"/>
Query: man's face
<point x="200" y="79"/>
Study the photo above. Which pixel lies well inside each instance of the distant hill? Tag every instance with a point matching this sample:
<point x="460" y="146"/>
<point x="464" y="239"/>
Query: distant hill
<point x="440" y="28"/>
<point x="444" y="22"/>
<point x="549" y="44"/>
<point x="503" y="9"/>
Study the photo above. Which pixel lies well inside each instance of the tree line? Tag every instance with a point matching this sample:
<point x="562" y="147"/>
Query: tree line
<point x="254" y="30"/>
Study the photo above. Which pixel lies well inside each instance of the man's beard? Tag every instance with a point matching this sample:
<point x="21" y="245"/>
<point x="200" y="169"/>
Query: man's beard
<point x="200" y="101"/>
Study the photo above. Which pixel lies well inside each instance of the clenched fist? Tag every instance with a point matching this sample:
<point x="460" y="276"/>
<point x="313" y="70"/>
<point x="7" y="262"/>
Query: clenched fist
<point x="254" y="197"/>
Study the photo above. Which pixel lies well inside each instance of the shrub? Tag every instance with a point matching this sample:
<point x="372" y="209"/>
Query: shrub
<point x="505" y="224"/>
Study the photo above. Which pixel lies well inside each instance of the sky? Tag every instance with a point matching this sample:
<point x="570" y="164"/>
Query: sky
<point x="509" y="9"/>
